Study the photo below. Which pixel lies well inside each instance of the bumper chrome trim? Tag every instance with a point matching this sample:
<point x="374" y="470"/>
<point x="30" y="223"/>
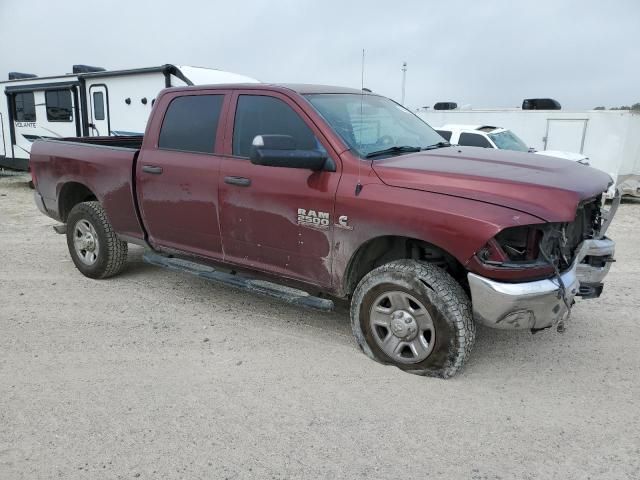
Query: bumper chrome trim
<point x="603" y="247"/>
<point x="537" y="304"/>
<point x="521" y="305"/>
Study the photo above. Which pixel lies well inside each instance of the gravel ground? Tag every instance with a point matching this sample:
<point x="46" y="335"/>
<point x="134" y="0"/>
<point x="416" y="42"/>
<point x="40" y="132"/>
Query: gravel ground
<point x="157" y="374"/>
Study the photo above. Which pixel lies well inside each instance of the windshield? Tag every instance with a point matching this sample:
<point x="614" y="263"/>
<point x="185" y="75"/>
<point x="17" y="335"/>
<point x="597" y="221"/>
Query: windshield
<point x="508" y="140"/>
<point x="372" y="125"/>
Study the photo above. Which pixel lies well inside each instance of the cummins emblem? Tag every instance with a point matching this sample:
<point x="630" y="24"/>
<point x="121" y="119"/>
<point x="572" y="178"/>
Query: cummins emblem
<point x="343" y="222"/>
<point x="313" y="218"/>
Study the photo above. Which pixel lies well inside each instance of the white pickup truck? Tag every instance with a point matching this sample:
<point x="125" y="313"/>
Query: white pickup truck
<point x="487" y="136"/>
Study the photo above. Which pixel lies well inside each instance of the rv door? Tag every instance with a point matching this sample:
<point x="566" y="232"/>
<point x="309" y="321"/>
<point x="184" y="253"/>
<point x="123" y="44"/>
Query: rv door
<point x="566" y="135"/>
<point x="99" y="111"/>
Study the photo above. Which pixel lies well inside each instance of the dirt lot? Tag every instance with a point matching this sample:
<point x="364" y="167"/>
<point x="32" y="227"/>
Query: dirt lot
<point x="156" y="374"/>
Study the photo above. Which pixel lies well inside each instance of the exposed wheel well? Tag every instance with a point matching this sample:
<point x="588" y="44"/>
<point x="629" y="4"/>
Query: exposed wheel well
<point x="381" y="250"/>
<point x="70" y="195"/>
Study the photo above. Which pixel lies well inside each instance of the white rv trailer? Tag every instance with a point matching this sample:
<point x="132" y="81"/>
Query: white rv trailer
<point x="88" y="102"/>
<point x="609" y="138"/>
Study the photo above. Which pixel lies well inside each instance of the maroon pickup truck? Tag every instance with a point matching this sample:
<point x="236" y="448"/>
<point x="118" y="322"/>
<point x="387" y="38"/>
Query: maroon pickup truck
<point x="344" y="194"/>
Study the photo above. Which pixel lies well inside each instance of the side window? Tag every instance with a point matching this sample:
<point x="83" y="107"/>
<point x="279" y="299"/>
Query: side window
<point x="445" y="134"/>
<point x="473" y="140"/>
<point x="24" y="107"/>
<point x="262" y="115"/>
<point x="98" y="106"/>
<point x="191" y="124"/>
<point x="59" y="108"/>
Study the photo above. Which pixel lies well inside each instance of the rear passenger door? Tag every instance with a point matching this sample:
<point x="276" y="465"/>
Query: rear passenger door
<point x="276" y="219"/>
<point x="177" y="173"/>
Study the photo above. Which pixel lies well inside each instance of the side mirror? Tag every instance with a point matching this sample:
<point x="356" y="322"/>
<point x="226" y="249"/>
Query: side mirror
<point x="281" y="151"/>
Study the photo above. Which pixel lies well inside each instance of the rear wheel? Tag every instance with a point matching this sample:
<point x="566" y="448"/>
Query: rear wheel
<point x="415" y="316"/>
<point x="94" y="247"/>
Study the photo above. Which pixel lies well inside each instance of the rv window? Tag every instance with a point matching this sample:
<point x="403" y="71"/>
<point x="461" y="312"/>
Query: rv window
<point x="24" y="107"/>
<point x="59" y="108"/>
<point x="98" y="106"/>
<point x="473" y="140"/>
<point x="191" y="123"/>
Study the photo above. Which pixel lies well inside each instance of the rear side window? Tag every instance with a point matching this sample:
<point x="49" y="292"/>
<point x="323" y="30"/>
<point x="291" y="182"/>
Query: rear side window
<point x="59" y="108"/>
<point x="473" y="140"/>
<point x="445" y="134"/>
<point x="191" y="123"/>
<point x="98" y="106"/>
<point x="262" y="115"/>
<point x="24" y="107"/>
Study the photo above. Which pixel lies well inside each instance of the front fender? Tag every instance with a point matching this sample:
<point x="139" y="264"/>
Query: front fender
<point x="456" y="225"/>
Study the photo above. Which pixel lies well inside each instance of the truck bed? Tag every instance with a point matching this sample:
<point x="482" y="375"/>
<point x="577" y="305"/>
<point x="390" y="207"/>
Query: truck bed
<point x="98" y="167"/>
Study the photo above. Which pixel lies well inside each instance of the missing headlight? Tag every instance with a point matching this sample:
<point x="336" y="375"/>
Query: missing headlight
<point x="520" y="244"/>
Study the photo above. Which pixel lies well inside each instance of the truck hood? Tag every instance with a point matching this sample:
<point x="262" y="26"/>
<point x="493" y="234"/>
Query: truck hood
<point x="549" y="188"/>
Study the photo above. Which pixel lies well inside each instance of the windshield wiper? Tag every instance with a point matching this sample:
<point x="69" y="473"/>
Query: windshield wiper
<point x="437" y="145"/>
<point x="393" y="150"/>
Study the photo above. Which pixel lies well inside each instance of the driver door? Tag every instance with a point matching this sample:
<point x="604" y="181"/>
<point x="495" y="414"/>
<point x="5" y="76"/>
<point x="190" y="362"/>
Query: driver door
<point x="276" y="219"/>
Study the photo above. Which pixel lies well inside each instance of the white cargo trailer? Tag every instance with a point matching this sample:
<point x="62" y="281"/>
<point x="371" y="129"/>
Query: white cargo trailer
<point x="88" y="102"/>
<point x="609" y="138"/>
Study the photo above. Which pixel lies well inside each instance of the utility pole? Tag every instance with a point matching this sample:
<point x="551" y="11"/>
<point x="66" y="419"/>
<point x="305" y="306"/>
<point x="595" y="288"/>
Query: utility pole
<point x="404" y="80"/>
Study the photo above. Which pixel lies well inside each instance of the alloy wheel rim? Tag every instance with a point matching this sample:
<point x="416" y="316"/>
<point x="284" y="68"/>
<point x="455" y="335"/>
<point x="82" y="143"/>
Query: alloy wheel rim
<point x="85" y="242"/>
<point x="402" y="327"/>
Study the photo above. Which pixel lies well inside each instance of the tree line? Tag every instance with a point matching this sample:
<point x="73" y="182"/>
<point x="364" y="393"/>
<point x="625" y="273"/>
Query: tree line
<point x="635" y="107"/>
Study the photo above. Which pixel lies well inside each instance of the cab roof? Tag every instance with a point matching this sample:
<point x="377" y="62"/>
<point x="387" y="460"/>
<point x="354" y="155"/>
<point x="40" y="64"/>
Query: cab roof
<point x="306" y="88"/>
<point x="301" y="88"/>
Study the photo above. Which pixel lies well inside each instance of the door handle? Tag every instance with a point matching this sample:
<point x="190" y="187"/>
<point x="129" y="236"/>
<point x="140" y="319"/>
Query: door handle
<point x="239" y="181"/>
<point x="152" y="169"/>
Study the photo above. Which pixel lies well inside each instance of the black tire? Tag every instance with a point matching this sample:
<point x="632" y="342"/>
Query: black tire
<point x="453" y="334"/>
<point x="110" y="252"/>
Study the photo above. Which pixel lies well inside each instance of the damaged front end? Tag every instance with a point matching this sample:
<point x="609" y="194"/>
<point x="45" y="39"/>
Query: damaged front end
<point x="538" y="270"/>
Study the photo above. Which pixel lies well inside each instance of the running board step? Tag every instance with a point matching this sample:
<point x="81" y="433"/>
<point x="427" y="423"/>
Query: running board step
<point x="287" y="294"/>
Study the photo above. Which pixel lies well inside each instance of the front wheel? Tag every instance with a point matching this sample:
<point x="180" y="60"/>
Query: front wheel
<point x="415" y="316"/>
<point x="94" y="247"/>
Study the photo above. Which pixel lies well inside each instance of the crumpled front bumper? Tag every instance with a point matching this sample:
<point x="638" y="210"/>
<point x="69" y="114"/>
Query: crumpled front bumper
<point x="540" y="304"/>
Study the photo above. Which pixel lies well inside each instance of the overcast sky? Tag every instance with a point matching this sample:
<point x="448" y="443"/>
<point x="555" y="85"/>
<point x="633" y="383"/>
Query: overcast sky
<point x="483" y="53"/>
